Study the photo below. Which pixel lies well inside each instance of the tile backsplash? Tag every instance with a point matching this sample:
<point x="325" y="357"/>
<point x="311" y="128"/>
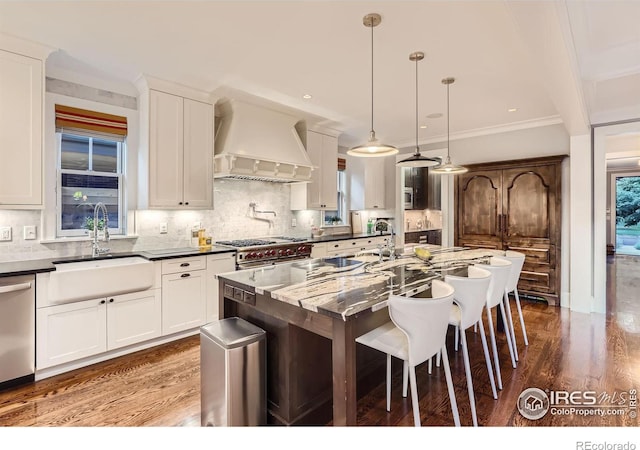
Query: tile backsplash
<point x="232" y="218"/>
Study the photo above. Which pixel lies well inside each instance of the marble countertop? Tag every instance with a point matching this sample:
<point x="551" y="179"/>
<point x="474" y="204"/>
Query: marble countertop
<point x="345" y="287"/>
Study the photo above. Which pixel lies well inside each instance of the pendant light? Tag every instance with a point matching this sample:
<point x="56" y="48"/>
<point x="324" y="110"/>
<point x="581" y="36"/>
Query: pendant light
<point x="373" y="147"/>
<point x="417" y="160"/>
<point x="448" y="168"/>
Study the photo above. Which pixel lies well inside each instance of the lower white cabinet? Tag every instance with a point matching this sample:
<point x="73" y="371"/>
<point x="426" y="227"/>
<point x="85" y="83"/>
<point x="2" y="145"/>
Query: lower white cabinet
<point x="183" y="300"/>
<point x="217" y="263"/>
<point x="77" y="330"/>
<point x="133" y="318"/>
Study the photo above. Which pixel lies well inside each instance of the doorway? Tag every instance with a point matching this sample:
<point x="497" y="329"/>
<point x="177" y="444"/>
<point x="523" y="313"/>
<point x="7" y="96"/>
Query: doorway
<point x="627" y="213"/>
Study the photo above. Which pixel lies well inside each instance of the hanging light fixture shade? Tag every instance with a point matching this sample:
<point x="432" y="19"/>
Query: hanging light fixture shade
<point x="373" y="147"/>
<point x="448" y="168"/>
<point x="417" y="160"/>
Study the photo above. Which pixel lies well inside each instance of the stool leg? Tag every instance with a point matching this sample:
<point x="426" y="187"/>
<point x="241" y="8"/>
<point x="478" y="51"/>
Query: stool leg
<point x="456" y="338"/>
<point x="487" y="359"/>
<point x="405" y="378"/>
<point x="494" y="347"/>
<point x="507" y="334"/>
<point x="507" y="305"/>
<point x="388" y="382"/>
<point x="524" y="329"/>
<point x="467" y="369"/>
<point x="438" y="357"/>
<point x="452" y="394"/>
<point x="414" y="396"/>
<point x="430" y="364"/>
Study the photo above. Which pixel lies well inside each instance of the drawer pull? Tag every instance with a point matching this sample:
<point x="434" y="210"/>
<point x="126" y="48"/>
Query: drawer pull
<point x="185" y="275"/>
<point x="184" y="265"/>
<point x="102" y="302"/>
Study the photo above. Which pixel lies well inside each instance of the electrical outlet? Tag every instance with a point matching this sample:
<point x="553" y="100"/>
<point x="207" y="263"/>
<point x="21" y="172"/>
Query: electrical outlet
<point x="5" y="233"/>
<point x="29" y="232"/>
<point x="294" y="222"/>
<point x="163" y="228"/>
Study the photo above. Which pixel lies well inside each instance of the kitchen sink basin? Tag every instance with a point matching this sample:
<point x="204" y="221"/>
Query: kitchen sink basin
<point x="99" y="278"/>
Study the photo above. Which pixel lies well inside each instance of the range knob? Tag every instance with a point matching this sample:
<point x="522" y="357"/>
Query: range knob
<point x="289" y="252"/>
<point x="271" y="253"/>
<point x="260" y="255"/>
<point x="281" y="252"/>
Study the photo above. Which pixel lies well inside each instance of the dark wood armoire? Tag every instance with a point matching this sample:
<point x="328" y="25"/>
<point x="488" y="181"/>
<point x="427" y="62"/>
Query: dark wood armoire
<point x="515" y="205"/>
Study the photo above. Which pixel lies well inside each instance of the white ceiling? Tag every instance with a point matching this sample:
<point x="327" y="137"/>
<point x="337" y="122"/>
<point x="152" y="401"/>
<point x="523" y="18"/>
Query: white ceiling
<point x="503" y="54"/>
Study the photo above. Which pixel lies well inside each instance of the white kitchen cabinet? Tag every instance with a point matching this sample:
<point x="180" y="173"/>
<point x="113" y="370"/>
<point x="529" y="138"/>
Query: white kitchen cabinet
<point x="21" y="108"/>
<point x="321" y="193"/>
<point x="77" y="330"/>
<point x="216" y="264"/>
<point x="176" y="141"/>
<point x="133" y="318"/>
<point x="367" y="183"/>
<point x="319" y="250"/>
<point x="184" y="300"/>
<point x="70" y="331"/>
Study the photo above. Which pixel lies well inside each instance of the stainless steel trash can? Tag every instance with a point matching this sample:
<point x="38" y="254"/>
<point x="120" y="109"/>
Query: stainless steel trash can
<point x="232" y="373"/>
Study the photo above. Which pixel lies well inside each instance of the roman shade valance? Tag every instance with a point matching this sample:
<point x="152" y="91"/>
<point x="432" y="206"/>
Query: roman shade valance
<point x="342" y="164"/>
<point x="83" y="121"/>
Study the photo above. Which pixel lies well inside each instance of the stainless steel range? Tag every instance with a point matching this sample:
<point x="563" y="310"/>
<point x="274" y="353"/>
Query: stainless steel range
<point x="267" y="251"/>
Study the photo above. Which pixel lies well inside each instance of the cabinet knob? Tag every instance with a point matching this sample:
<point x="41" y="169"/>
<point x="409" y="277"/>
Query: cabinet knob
<point x="179" y="203"/>
<point x="186" y="203"/>
<point x="184" y="265"/>
<point x="102" y="302"/>
<point x="185" y="275"/>
<point x="110" y="300"/>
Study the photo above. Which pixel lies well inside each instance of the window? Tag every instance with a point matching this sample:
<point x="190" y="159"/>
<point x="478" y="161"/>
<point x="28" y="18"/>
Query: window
<point x="90" y="170"/>
<point x="339" y="216"/>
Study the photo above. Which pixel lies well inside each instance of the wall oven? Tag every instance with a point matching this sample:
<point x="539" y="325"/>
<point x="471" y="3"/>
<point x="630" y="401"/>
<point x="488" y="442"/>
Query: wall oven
<point x="408" y="198"/>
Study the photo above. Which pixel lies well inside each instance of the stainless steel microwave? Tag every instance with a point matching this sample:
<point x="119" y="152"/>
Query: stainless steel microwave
<point x="408" y="198"/>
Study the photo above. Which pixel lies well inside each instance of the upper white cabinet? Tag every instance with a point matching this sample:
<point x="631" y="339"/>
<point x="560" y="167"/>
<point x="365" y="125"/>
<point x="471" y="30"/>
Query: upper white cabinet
<point x="21" y="112"/>
<point x="176" y="170"/>
<point x="321" y="192"/>
<point x="367" y="183"/>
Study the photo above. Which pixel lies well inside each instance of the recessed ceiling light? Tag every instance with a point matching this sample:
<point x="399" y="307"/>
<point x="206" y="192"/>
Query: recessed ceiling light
<point x="307" y="96"/>
<point x="512" y="109"/>
<point x="434" y="116"/>
<point x="423" y="126"/>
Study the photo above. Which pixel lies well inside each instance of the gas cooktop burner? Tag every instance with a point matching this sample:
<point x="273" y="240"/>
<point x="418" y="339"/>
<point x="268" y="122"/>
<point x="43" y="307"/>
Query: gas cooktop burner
<point x="291" y="239"/>
<point x="246" y="242"/>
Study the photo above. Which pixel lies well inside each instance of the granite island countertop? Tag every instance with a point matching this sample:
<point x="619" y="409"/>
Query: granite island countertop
<point x="347" y="286"/>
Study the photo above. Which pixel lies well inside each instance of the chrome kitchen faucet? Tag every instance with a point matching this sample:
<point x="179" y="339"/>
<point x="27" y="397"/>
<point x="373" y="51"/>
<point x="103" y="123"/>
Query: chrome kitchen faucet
<point x="96" y="250"/>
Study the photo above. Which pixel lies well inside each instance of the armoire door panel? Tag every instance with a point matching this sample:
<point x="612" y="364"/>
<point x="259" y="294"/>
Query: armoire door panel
<point x="481" y="200"/>
<point x="527" y="197"/>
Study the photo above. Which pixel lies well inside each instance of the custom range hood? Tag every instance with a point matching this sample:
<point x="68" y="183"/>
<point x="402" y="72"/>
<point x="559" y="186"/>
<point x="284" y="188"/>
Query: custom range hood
<point x="256" y="143"/>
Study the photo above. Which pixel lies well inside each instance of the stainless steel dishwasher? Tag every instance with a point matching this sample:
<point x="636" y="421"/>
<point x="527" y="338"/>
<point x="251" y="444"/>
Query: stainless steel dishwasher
<point x="17" y="329"/>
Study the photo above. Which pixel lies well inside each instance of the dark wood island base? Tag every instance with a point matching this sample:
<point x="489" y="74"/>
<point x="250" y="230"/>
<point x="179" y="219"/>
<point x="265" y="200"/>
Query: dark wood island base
<point x="312" y="365"/>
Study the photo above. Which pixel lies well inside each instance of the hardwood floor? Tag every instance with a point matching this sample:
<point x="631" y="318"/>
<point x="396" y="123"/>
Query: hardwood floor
<point x="567" y="351"/>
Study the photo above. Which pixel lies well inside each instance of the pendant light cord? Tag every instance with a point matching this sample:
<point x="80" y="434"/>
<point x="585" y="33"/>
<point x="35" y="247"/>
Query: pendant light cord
<point x="448" y="155"/>
<point x="417" y="148"/>
<point x="372" y="27"/>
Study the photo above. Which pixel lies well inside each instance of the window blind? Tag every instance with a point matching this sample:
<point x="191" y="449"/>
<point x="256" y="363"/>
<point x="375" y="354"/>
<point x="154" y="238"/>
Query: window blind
<point x="86" y="122"/>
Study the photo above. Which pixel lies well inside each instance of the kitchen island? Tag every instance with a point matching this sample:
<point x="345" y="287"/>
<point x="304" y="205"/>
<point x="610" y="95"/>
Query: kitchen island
<point x="312" y="311"/>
